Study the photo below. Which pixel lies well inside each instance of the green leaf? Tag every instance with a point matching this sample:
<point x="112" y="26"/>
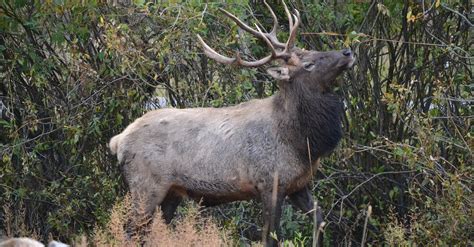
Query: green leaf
<point x="393" y="192"/>
<point x="57" y="37"/>
<point x="399" y="152"/>
<point x="59" y="2"/>
<point x="139" y="2"/>
<point x="21" y="192"/>
<point x="20" y="3"/>
<point x="101" y="56"/>
<point x="4" y="123"/>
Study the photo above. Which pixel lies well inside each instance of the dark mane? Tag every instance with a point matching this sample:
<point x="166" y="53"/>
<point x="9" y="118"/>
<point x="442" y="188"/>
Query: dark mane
<point x="304" y="115"/>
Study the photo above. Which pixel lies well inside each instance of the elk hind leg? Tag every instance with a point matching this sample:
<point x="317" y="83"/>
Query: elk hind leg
<point x="145" y="201"/>
<point x="169" y="205"/>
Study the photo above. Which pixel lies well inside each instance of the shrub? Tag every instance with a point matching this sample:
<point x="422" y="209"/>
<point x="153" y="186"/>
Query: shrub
<point x="189" y="230"/>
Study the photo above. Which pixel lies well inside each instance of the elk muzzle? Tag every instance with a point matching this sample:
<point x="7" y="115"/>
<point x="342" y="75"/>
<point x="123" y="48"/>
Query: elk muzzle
<point x="347" y="60"/>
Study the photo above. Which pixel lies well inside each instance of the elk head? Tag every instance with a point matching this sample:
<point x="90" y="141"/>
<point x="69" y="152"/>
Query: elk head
<point x="318" y="70"/>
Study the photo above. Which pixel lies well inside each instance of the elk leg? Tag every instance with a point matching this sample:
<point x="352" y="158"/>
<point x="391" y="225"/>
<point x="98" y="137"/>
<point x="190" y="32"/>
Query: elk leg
<point x="271" y="215"/>
<point x="145" y="200"/>
<point x="169" y="205"/>
<point x="303" y="201"/>
<point x="148" y="199"/>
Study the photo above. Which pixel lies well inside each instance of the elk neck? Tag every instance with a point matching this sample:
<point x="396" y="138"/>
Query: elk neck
<point x="304" y="116"/>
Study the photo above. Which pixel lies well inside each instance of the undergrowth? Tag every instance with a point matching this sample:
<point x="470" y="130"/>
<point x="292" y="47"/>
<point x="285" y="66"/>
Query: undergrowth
<point x="188" y="230"/>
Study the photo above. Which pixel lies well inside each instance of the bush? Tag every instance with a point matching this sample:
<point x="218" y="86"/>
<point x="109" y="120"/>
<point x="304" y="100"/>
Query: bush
<point x="74" y="74"/>
<point x="189" y="230"/>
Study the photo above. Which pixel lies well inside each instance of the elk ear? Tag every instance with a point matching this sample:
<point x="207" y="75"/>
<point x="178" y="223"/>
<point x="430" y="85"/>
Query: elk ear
<point x="279" y="73"/>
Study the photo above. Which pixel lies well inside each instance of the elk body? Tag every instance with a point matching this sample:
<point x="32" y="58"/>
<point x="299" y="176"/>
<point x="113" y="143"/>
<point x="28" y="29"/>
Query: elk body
<point x="263" y="149"/>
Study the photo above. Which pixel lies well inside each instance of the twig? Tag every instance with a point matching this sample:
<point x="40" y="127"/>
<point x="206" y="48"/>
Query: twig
<point x="315" y="226"/>
<point x="371" y="38"/>
<point x="203" y="12"/>
<point x="457" y="13"/>
<point x="309" y="152"/>
<point x="341" y="200"/>
<point x="274" y="201"/>
<point x="309" y="158"/>
<point x="364" y="237"/>
<point x="320" y="229"/>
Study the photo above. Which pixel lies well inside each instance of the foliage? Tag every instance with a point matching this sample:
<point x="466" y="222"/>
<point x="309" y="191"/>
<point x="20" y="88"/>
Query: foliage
<point x="190" y="230"/>
<point x="75" y="73"/>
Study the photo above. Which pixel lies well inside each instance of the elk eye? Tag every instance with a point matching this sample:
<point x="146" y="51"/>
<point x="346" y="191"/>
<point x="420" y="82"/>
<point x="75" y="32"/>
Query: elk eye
<point x="308" y="66"/>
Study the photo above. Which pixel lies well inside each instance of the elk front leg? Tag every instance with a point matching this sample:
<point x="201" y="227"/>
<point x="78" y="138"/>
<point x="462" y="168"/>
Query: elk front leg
<point x="271" y="214"/>
<point x="303" y="201"/>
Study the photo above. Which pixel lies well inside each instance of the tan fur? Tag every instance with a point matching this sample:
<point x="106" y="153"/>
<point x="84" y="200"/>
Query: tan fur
<point x="21" y="242"/>
<point x="114" y="143"/>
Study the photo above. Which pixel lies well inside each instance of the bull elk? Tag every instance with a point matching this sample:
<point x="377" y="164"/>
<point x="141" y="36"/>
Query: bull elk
<point x="264" y="149"/>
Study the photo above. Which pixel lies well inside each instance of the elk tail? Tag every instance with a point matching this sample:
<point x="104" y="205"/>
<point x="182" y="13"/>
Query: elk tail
<point x="114" y="143"/>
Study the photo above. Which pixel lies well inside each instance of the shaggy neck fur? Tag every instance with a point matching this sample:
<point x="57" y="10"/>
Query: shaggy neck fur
<point x="304" y="114"/>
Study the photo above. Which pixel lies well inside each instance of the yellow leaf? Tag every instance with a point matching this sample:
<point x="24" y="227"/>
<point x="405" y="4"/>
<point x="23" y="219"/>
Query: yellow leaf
<point x="409" y="14"/>
<point x="6" y="158"/>
<point x="347" y="41"/>
<point x="438" y="2"/>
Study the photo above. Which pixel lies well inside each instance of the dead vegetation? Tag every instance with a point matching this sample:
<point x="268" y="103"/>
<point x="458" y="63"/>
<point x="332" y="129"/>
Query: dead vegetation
<point x="189" y="230"/>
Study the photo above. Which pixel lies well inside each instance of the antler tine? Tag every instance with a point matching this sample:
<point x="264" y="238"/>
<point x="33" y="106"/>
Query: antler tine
<point x="269" y="43"/>
<point x="211" y="53"/>
<point x="275" y="19"/>
<point x="293" y="29"/>
<point x="272" y="34"/>
<point x="290" y="18"/>
<point x="257" y="63"/>
<point x="285" y="54"/>
<point x="270" y="39"/>
<point x="252" y="64"/>
<point x="290" y="43"/>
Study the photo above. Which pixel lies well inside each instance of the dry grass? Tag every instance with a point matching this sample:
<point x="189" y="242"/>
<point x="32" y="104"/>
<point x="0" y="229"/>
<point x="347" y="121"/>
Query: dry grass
<point x="190" y="230"/>
<point x="14" y="222"/>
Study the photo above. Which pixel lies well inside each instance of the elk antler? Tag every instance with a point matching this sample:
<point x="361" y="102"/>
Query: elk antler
<point x="270" y="39"/>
